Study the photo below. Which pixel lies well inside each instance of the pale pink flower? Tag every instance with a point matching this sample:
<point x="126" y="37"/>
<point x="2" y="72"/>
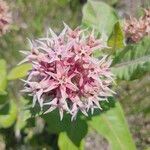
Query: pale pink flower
<point x="146" y="21"/>
<point x="136" y="29"/>
<point x="65" y="75"/>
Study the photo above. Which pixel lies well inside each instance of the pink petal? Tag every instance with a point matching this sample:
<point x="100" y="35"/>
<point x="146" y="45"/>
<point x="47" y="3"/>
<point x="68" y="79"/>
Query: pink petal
<point x="71" y="86"/>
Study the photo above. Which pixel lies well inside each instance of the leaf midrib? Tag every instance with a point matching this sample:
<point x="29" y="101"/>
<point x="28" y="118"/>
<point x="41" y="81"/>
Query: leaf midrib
<point x="115" y="135"/>
<point x="135" y="61"/>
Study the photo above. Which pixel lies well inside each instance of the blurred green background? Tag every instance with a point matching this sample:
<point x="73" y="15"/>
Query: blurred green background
<point x="31" y="19"/>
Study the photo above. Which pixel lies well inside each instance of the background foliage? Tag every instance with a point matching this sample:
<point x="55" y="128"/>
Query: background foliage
<point x="24" y="128"/>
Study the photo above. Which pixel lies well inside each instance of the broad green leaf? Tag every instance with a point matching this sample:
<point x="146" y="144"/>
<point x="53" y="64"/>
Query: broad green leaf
<point x="3" y="99"/>
<point x="19" y="71"/>
<point x="2" y="92"/>
<point x="111" y="2"/>
<point x="116" y="39"/>
<point x="7" y="119"/>
<point x="100" y="16"/>
<point x="3" y="79"/>
<point x="65" y="143"/>
<point x="113" y="126"/>
<point x="133" y="61"/>
<point x="23" y="114"/>
<point x="76" y="130"/>
<point x="63" y="2"/>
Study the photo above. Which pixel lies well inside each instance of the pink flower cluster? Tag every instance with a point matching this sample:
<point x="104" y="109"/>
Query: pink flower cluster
<point x="65" y="75"/>
<point x="5" y="17"/>
<point x="135" y="29"/>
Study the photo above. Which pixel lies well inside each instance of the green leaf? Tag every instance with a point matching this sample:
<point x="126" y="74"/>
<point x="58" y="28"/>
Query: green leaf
<point x="116" y="39"/>
<point x="3" y="99"/>
<point x="7" y="119"/>
<point x="100" y="16"/>
<point x="19" y="71"/>
<point x="3" y="79"/>
<point x="112" y="125"/>
<point x="65" y="143"/>
<point x="133" y="61"/>
<point x="147" y="148"/>
<point x="111" y="2"/>
<point x="62" y="2"/>
<point x="2" y="92"/>
<point x="76" y="130"/>
<point x="23" y="114"/>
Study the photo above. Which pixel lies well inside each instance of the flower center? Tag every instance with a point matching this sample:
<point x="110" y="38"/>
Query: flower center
<point x="62" y="80"/>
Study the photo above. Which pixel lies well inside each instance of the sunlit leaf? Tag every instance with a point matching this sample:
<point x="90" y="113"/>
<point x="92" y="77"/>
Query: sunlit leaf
<point x="8" y="118"/>
<point x="3" y="77"/>
<point x="19" y="71"/>
<point x="116" y="39"/>
<point x="113" y="126"/>
<point x="65" y="143"/>
<point x="2" y="92"/>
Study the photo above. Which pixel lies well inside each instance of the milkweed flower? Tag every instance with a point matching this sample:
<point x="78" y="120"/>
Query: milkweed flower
<point x="146" y="20"/>
<point x="136" y="29"/>
<point x="5" y="17"/>
<point x="65" y="75"/>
